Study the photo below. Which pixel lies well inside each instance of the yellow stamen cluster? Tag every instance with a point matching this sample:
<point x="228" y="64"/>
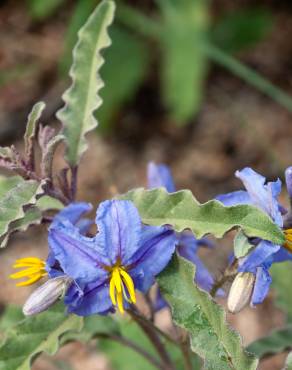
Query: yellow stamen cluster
<point x="121" y="287"/>
<point x="288" y="238"/>
<point x="34" y="270"/>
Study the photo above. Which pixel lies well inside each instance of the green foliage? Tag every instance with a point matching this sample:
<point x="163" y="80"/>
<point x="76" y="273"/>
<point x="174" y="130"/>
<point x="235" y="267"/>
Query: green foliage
<point x="241" y="29"/>
<point x="6" y="183"/>
<point x="45" y="203"/>
<point x="282" y="277"/>
<point x="82" y="11"/>
<point x="127" y="62"/>
<point x="35" y="335"/>
<point x="41" y="9"/>
<point x="81" y="99"/>
<point x="183" y="211"/>
<point x="12" y="213"/>
<point x="11" y="315"/>
<point x="195" y="311"/>
<point x="182" y="38"/>
<point x="241" y="245"/>
<point x="278" y="341"/>
<point x="31" y="128"/>
<point x="48" y="155"/>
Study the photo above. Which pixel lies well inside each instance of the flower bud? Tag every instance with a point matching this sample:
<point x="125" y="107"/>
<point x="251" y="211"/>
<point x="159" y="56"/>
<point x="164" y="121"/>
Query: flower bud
<point x="288" y="177"/>
<point x="240" y="291"/>
<point x="46" y="295"/>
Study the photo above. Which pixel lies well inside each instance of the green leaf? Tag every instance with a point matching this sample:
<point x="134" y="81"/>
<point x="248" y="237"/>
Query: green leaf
<point x="41" y="9"/>
<point x="117" y="90"/>
<point x="48" y="155"/>
<point x="6" y="183"/>
<point x="46" y="203"/>
<point x="82" y="11"/>
<point x="81" y="99"/>
<point x="32" y="216"/>
<point x="31" y="127"/>
<point x="241" y="245"/>
<point x="195" y="311"/>
<point x="281" y="283"/>
<point x="183" y="211"/>
<point x="278" y="341"/>
<point x="241" y="29"/>
<point x="184" y="63"/>
<point x="35" y="335"/>
<point x="92" y="326"/>
<point x="11" y="315"/>
<point x="288" y="363"/>
<point x="23" y="194"/>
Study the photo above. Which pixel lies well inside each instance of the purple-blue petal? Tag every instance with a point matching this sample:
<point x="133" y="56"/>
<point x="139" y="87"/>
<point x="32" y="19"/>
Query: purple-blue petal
<point x="262" y="252"/>
<point x="288" y="178"/>
<point x="234" y="198"/>
<point x="73" y="212"/>
<point x="282" y="255"/>
<point x="264" y="196"/>
<point x="159" y="175"/>
<point x="119" y="230"/>
<point x="91" y="299"/>
<point x="77" y="255"/>
<point x="262" y="285"/>
<point x="152" y="256"/>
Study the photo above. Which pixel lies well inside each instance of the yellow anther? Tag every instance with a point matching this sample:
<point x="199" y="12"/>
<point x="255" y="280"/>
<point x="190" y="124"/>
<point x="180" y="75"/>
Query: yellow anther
<point x="121" y="287"/>
<point x="34" y="270"/>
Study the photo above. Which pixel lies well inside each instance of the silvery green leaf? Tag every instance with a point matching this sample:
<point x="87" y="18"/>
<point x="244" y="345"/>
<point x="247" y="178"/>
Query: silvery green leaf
<point x="31" y="128"/>
<point x="181" y="210"/>
<point x="195" y="311"/>
<point x="34" y="335"/>
<point x="82" y="99"/>
<point x="15" y="203"/>
<point x="241" y="245"/>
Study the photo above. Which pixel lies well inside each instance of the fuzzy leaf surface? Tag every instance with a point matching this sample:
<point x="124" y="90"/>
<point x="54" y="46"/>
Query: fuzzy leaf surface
<point x="13" y="204"/>
<point x="82" y="99"/>
<point x="278" y="341"/>
<point x="35" y="335"/>
<point x="241" y="245"/>
<point x="183" y="211"/>
<point x="204" y="320"/>
<point x="31" y="126"/>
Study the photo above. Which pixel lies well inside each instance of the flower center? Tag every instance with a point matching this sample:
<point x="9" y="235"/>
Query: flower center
<point x="34" y="270"/>
<point x="288" y="239"/>
<point x="121" y="287"/>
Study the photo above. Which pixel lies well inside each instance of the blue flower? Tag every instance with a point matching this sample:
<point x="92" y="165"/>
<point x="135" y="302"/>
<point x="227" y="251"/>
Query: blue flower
<point x="265" y="196"/>
<point x="106" y="269"/>
<point x="159" y="175"/>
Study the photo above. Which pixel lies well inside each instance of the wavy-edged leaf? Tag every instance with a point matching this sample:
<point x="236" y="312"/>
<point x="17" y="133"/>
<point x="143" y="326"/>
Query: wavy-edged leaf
<point x="195" y="311"/>
<point x="46" y="203"/>
<point x="31" y="128"/>
<point x="82" y="99"/>
<point x="32" y="216"/>
<point x="48" y="155"/>
<point x="183" y="211"/>
<point x="183" y="36"/>
<point x="35" y="335"/>
<point x="16" y="202"/>
<point x="278" y="341"/>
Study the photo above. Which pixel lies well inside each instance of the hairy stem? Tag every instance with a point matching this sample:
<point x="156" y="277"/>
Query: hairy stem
<point x="126" y="342"/>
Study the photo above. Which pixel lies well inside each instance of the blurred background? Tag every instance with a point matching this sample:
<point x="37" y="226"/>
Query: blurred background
<point x="203" y="86"/>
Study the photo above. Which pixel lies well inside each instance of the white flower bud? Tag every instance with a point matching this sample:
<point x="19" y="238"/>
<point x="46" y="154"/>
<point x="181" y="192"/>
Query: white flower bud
<point x="240" y="291"/>
<point x="45" y="295"/>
